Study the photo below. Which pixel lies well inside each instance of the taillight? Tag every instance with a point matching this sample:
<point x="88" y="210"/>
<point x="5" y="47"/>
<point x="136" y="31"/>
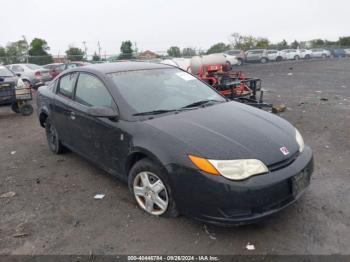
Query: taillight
<point x="37" y="73"/>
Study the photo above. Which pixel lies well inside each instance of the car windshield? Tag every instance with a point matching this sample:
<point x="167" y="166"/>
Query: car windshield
<point x="162" y="89"/>
<point x="33" y="67"/>
<point x="4" y="71"/>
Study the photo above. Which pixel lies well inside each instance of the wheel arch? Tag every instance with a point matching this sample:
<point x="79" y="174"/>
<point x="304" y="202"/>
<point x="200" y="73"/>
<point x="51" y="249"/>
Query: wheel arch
<point x="137" y="155"/>
<point x="43" y="115"/>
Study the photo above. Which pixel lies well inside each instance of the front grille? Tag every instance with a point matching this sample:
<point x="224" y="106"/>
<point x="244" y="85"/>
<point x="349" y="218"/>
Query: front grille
<point x="283" y="163"/>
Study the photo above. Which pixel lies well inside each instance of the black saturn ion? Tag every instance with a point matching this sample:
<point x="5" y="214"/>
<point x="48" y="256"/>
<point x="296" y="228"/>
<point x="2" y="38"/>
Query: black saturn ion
<point x="181" y="147"/>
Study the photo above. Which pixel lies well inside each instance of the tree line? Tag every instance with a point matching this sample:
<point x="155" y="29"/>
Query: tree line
<point x="37" y="51"/>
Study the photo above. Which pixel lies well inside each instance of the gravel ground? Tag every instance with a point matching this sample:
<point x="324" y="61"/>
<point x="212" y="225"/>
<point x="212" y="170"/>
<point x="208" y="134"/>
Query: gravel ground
<point x="53" y="211"/>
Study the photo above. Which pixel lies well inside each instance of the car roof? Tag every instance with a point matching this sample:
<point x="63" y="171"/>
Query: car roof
<point x="124" y="66"/>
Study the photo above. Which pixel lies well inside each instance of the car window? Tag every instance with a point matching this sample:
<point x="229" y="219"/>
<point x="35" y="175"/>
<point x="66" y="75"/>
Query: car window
<point x="17" y="68"/>
<point x="161" y="89"/>
<point x="69" y="66"/>
<point x="66" y="85"/>
<point x="5" y="72"/>
<point x="33" y="67"/>
<point x="91" y="91"/>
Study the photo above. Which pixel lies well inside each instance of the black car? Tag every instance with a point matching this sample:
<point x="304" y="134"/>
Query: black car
<point x="8" y="83"/>
<point x="181" y="147"/>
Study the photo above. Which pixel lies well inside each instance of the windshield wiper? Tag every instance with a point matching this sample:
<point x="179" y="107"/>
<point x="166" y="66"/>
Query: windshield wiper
<point x="155" y="112"/>
<point x="201" y="102"/>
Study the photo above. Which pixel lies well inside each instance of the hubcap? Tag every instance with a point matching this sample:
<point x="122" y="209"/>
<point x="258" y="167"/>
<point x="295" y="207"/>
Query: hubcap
<point x="150" y="193"/>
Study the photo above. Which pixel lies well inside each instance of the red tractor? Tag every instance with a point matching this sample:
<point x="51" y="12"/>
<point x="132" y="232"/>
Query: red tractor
<point x="232" y="84"/>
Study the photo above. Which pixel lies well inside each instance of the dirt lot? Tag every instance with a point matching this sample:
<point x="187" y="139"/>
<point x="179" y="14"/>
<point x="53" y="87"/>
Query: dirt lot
<point x="55" y="210"/>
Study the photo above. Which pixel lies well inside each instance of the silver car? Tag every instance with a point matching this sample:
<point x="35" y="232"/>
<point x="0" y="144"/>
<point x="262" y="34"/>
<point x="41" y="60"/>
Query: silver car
<point x="320" y="53"/>
<point x="257" y="55"/>
<point x="31" y="74"/>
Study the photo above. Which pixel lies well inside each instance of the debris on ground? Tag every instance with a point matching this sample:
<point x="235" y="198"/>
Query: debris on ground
<point x="278" y="108"/>
<point x="8" y="194"/>
<point x="20" y="232"/>
<point x="250" y="246"/>
<point x="323" y="99"/>
<point x="318" y="91"/>
<point x="290" y="74"/>
<point x="211" y="236"/>
<point x="38" y="180"/>
<point x="13" y="152"/>
<point x="99" y="196"/>
<point x="60" y="160"/>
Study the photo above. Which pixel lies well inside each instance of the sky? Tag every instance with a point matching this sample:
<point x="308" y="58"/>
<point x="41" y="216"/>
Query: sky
<point x="158" y="24"/>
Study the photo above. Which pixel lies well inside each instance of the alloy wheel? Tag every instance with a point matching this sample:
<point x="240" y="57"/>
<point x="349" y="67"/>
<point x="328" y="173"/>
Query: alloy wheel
<point x="150" y="193"/>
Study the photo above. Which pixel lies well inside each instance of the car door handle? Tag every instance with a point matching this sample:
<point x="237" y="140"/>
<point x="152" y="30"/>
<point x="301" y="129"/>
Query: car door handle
<point x="72" y="115"/>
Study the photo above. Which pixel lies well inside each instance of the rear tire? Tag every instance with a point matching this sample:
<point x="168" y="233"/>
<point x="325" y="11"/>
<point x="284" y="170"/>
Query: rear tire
<point x="296" y="57"/>
<point x="239" y="62"/>
<point x="324" y="56"/>
<point x="144" y="198"/>
<point x="26" y="109"/>
<point x="14" y="107"/>
<point x="307" y="57"/>
<point x="279" y="59"/>
<point x="53" y="138"/>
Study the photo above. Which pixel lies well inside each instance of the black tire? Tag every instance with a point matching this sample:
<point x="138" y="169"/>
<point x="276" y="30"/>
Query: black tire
<point x="146" y="165"/>
<point x="53" y="138"/>
<point x="324" y="56"/>
<point x="14" y="107"/>
<point x="296" y="57"/>
<point x="239" y="62"/>
<point x="26" y="109"/>
<point x="279" y="59"/>
<point x="307" y="57"/>
<point x="263" y="60"/>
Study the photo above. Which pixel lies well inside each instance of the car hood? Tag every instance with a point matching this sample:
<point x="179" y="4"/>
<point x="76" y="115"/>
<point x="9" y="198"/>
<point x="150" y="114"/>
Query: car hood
<point x="230" y="130"/>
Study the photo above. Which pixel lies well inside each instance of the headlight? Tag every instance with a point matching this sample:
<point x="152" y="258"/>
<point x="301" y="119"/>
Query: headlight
<point x="232" y="169"/>
<point x="20" y="83"/>
<point x="299" y="140"/>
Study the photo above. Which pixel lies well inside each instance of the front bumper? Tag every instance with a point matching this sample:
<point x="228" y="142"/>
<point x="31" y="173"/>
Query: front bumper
<point x="217" y="200"/>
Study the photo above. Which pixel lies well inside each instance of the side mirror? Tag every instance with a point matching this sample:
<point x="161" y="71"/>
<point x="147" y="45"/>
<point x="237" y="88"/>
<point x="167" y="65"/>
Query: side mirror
<point x="102" y="111"/>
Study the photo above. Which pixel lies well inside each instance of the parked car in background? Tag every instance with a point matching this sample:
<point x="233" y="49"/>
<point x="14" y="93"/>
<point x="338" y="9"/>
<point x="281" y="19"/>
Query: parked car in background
<point x="257" y="55"/>
<point x="8" y="80"/>
<point x="56" y="68"/>
<point x="291" y="54"/>
<point x="31" y="74"/>
<point x="338" y="52"/>
<point x="305" y="53"/>
<point x="231" y="60"/>
<point x="167" y="135"/>
<point x="239" y="54"/>
<point x="320" y="53"/>
<point x="275" y="55"/>
<point x="347" y="51"/>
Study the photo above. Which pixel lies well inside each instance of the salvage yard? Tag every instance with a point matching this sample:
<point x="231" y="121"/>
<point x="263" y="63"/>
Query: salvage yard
<point x="53" y="210"/>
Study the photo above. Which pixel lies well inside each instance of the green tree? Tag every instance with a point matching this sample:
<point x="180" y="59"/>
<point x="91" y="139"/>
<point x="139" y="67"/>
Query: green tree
<point x="262" y="43"/>
<point x="2" y="55"/>
<point x="188" y="51"/>
<point x="75" y="54"/>
<point x="126" y="50"/>
<point x="96" y="57"/>
<point x="295" y="44"/>
<point x="37" y="52"/>
<point x="174" y="51"/>
<point x="16" y="52"/>
<point x="244" y="42"/>
<point x="283" y="44"/>
<point x="218" y="48"/>
<point x="344" y="41"/>
<point x="317" y="43"/>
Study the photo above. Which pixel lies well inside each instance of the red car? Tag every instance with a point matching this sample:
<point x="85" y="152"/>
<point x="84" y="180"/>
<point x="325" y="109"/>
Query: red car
<point x="57" y="68"/>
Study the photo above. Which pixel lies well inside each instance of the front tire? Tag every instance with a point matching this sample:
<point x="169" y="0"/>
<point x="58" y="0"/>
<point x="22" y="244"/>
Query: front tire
<point x="263" y="60"/>
<point x="296" y="57"/>
<point x="26" y="109"/>
<point x="53" y="138"/>
<point x="149" y="184"/>
<point x="239" y="62"/>
<point x="324" y="56"/>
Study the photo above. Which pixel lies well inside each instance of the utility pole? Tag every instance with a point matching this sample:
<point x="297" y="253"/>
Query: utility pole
<point x="99" y="49"/>
<point x="27" y="48"/>
<point x="85" y="49"/>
